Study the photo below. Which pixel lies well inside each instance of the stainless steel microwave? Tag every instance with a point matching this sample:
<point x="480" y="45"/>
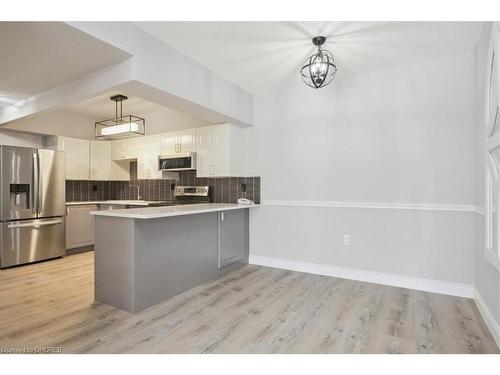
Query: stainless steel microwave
<point x="177" y="162"/>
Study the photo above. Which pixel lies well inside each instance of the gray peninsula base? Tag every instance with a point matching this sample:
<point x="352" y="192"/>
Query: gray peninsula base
<point x="141" y="262"/>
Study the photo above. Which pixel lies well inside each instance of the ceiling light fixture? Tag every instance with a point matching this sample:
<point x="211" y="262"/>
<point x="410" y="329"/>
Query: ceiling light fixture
<point x="120" y="126"/>
<point x="319" y="69"/>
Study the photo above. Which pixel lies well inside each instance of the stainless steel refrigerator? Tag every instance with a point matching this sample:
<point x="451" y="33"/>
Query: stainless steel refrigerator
<point x="32" y="205"/>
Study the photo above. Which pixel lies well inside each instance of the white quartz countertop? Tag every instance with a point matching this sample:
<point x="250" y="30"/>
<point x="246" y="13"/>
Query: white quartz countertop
<point x="167" y="211"/>
<point x="120" y="202"/>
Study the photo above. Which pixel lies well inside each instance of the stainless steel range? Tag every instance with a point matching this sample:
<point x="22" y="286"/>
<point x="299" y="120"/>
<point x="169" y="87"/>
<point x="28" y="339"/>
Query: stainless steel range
<point x="32" y="205"/>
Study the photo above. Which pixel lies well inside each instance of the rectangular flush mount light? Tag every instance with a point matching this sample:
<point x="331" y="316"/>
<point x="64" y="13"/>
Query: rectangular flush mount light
<point x="120" y="127"/>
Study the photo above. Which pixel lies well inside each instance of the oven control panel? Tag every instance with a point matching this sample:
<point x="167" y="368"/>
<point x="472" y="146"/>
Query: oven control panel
<point x="191" y="191"/>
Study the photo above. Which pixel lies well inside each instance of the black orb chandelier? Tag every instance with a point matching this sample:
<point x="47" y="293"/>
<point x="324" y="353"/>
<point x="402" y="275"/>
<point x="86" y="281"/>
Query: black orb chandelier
<point x="319" y="69"/>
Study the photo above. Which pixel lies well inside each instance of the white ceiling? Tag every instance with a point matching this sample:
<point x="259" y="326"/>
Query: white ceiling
<point x="251" y="54"/>
<point x="37" y="56"/>
<point x="102" y="107"/>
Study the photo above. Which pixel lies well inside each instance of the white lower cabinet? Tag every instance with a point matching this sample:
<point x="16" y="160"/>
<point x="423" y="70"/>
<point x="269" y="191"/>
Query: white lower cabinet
<point x="79" y="226"/>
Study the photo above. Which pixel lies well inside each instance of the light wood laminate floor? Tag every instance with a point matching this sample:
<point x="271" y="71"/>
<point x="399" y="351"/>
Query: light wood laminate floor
<point x="251" y="310"/>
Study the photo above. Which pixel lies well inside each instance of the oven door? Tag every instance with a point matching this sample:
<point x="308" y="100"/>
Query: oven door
<point x="27" y="241"/>
<point x="180" y="162"/>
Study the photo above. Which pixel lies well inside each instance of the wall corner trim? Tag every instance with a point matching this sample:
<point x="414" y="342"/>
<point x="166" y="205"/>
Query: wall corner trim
<point x="490" y="321"/>
<point x="401" y="281"/>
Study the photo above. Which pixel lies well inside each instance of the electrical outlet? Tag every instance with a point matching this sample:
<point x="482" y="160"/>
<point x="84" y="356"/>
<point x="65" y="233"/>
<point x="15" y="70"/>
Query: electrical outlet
<point x="347" y="240"/>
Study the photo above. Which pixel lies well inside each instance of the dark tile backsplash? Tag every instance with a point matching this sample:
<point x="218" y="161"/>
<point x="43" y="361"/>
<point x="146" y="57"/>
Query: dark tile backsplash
<point x="77" y="191"/>
<point x="150" y="190"/>
<point x="222" y="189"/>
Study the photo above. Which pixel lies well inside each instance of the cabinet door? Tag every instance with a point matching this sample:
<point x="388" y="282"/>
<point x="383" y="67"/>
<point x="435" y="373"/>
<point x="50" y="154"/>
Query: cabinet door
<point x="120" y="170"/>
<point x="133" y="147"/>
<point x="187" y="140"/>
<point x="118" y="149"/>
<point x="146" y="168"/>
<point x="79" y="226"/>
<point x="220" y="150"/>
<point x="77" y="157"/>
<point x="169" y="143"/>
<point x="100" y="160"/>
<point x="147" y="159"/>
<point x="233" y="236"/>
<point x="204" y="166"/>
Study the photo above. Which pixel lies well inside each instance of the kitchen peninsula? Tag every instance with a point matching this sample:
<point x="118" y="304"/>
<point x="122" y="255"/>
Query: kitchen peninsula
<point x="146" y="255"/>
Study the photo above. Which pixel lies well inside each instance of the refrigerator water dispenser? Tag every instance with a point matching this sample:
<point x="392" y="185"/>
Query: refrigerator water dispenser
<point x="20" y="196"/>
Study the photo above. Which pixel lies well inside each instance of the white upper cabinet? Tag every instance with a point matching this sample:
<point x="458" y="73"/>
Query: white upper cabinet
<point x="126" y="149"/>
<point x="181" y="141"/>
<point x="220" y="151"/>
<point x="147" y="157"/>
<point x="169" y="143"/>
<point x="133" y="146"/>
<point x="100" y="160"/>
<point x="118" y="149"/>
<point x="77" y="156"/>
<point x="204" y="152"/>
<point x="187" y="140"/>
<point x="120" y="170"/>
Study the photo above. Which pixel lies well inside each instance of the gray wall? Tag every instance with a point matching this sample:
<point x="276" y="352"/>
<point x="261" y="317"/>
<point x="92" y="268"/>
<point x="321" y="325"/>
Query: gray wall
<point x="401" y="135"/>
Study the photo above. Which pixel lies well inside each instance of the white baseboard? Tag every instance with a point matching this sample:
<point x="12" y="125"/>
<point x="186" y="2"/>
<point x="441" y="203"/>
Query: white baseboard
<point x="487" y="317"/>
<point x="409" y="282"/>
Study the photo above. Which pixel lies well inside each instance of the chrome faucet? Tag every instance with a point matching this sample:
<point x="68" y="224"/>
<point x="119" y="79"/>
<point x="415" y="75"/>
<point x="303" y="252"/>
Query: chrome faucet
<point x="138" y="191"/>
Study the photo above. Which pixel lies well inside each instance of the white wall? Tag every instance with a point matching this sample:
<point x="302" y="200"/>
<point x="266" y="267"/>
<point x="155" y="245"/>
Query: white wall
<point x="163" y="119"/>
<point x="405" y="134"/>
<point x="487" y="277"/>
<point x="12" y="138"/>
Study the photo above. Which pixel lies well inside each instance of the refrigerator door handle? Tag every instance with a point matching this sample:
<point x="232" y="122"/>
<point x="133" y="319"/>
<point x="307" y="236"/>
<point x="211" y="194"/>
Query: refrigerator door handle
<point x="35" y="224"/>
<point x="40" y="186"/>
<point x="34" y="195"/>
